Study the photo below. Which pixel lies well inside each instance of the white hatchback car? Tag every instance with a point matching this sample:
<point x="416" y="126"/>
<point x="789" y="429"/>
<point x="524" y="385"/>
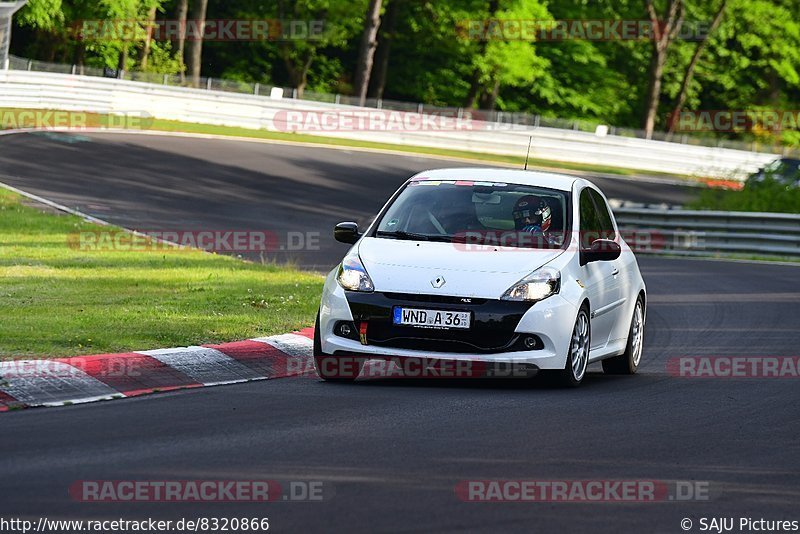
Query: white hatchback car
<point x="490" y="267"/>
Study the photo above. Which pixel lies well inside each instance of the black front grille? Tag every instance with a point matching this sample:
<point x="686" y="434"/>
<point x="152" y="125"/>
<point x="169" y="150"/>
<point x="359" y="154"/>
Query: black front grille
<point x="445" y="345"/>
<point x="493" y="323"/>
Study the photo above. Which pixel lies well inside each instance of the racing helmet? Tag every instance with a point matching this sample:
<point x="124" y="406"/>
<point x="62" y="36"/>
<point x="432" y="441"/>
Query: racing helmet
<point x="532" y="213"/>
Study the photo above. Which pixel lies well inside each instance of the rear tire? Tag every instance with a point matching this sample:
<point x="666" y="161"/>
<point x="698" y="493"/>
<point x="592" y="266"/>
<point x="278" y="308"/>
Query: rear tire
<point x="333" y="368"/>
<point x="628" y="362"/>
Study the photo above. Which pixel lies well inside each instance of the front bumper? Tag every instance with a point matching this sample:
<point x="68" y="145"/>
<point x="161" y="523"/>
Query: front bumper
<point x="497" y="334"/>
<point x="492" y="330"/>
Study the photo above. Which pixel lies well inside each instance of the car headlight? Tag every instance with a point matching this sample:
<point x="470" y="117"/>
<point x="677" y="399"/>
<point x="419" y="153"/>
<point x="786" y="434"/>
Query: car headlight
<point x="353" y="276"/>
<point x="538" y="285"/>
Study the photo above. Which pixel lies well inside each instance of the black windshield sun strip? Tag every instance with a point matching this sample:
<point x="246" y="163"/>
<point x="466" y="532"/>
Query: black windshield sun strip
<point x="411" y="235"/>
<point x="403" y="235"/>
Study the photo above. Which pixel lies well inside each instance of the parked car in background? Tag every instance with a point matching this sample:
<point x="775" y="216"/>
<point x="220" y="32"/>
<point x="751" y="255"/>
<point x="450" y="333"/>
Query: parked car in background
<point x="783" y="170"/>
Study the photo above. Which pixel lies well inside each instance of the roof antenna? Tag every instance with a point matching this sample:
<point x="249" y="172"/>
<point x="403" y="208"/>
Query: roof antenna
<point x="530" y="140"/>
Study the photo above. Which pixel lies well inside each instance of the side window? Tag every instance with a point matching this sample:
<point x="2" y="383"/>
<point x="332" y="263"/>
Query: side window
<point x="606" y="226"/>
<point x="589" y="221"/>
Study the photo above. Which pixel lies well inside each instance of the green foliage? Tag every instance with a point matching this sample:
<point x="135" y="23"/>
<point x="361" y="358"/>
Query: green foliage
<point x="751" y="61"/>
<point x="44" y="15"/>
<point x="162" y="60"/>
<point x="767" y="196"/>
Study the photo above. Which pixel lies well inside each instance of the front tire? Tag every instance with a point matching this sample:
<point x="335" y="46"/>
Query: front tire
<point x="578" y="354"/>
<point x="332" y="368"/>
<point x="628" y="362"/>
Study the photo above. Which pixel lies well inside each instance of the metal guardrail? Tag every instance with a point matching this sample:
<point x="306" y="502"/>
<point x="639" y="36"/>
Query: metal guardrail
<point x="503" y="119"/>
<point x="39" y="90"/>
<point x="703" y="233"/>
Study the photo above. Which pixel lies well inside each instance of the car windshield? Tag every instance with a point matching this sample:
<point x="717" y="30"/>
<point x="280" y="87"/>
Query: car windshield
<point x="480" y="213"/>
<point x="783" y="167"/>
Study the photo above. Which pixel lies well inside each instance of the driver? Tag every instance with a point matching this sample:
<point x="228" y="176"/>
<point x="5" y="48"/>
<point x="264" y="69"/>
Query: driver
<point x="532" y="214"/>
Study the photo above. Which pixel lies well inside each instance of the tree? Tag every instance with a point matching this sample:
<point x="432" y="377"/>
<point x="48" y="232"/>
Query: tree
<point x="341" y="20"/>
<point x="144" y="53"/>
<point x="689" y="75"/>
<point x="499" y="61"/>
<point x="431" y="61"/>
<point x="750" y="59"/>
<point x="180" y="43"/>
<point x="47" y="15"/>
<point x="664" y="34"/>
<point x="49" y="20"/>
<point x="752" y="62"/>
<point x="366" y="54"/>
<point x="195" y="64"/>
<point x="385" y="37"/>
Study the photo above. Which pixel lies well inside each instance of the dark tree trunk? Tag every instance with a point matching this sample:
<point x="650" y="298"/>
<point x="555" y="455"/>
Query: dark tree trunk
<point x="199" y="9"/>
<point x="50" y="47"/>
<point x="366" y="55"/>
<point x="148" y="40"/>
<point x="180" y="43"/>
<point x="665" y="32"/>
<point x="123" y="59"/>
<point x="489" y="98"/>
<point x="298" y="72"/>
<point x="80" y="56"/>
<point x="474" y="90"/>
<point x="381" y="67"/>
<point x="657" y="61"/>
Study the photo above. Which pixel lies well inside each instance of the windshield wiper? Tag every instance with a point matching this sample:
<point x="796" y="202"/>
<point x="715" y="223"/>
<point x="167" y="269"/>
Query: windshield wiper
<point x="400" y="234"/>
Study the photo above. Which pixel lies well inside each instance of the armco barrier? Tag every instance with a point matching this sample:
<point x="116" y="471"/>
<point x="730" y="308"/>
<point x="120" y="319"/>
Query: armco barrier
<point x="699" y="233"/>
<point x="43" y="90"/>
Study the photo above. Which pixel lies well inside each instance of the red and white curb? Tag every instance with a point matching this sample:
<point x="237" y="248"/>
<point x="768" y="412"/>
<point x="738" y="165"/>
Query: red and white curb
<point x="63" y="381"/>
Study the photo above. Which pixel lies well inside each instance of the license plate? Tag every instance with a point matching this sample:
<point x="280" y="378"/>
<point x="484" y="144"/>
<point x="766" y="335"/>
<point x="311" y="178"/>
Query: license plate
<point x="431" y="318"/>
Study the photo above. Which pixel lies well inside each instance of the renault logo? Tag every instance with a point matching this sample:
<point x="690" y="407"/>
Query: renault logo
<point x="438" y="282"/>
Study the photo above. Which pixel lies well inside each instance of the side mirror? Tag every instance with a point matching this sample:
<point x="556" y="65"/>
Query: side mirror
<point x="601" y="250"/>
<point x="346" y="232"/>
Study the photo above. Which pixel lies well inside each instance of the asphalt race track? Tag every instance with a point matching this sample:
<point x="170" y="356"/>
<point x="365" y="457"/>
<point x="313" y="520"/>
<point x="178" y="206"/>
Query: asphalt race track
<point x="160" y="183"/>
<point x="390" y="452"/>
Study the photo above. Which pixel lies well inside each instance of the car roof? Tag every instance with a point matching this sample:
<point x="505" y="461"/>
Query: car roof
<point x="561" y="182"/>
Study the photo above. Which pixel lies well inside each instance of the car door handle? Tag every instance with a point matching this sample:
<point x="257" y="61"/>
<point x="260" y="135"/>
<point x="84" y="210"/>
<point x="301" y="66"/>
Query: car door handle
<point x="615" y="272"/>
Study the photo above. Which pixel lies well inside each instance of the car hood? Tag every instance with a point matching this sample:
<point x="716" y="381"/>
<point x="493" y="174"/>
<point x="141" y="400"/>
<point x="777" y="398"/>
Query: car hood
<point x="401" y="266"/>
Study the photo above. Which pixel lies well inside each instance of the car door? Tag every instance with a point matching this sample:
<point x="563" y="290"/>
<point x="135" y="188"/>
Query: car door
<point x="618" y="285"/>
<point x="597" y="276"/>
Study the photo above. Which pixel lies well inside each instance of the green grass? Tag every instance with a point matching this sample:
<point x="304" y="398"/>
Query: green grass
<point x="56" y="300"/>
<point x="232" y="131"/>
